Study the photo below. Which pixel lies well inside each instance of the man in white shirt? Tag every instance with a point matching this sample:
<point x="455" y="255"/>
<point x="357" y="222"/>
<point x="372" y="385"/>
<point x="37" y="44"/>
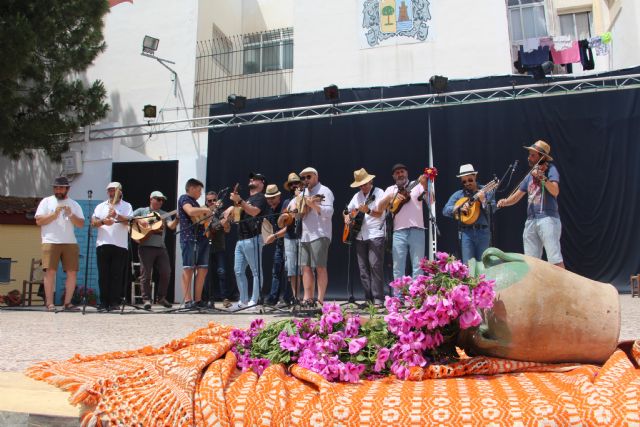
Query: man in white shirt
<point x="111" y="219"/>
<point x="367" y="233"/>
<point x="316" y="235"/>
<point x="57" y="215"/>
<point x="408" y="220"/>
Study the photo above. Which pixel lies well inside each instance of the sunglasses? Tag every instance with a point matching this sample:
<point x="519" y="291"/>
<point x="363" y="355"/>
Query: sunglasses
<point x="468" y="181"/>
<point x="306" y="177"/>
<point x="211" y="200"/>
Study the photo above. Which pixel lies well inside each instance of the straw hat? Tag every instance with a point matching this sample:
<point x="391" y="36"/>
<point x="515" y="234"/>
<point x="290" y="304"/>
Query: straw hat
<point x="361" y="177"/>
<point x="272" y="191"/>
<point x="540" y="147"/>
<point x="466" y="169"/>
<point x="292" y="178"/>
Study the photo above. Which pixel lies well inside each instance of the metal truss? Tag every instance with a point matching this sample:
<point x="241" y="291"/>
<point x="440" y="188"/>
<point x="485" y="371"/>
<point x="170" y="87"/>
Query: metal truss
<point x="448" y="99"/>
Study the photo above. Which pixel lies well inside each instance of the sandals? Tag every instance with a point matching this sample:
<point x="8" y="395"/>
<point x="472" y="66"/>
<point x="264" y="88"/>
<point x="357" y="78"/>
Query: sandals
<point x="51" y="307"/>
<point x="70" y="307"/>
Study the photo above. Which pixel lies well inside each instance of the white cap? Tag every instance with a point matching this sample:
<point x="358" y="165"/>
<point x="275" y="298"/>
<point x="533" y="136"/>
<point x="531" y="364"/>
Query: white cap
<point x="114" y="184"/>
<point x="307" y="170"/>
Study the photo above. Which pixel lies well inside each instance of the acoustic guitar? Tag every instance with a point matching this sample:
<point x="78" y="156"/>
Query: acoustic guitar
<point x="396" y="203"/>
<point x="356" y="218"/>
<point x="473" y="205"/>
<point x="156" y="222"/>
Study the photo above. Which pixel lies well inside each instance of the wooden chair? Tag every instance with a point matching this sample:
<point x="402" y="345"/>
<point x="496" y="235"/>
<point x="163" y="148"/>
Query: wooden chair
<point x="635" y="285"/>
<point x="36" y="278"/>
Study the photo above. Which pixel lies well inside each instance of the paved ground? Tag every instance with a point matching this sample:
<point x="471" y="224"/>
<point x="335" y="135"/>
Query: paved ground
<point x="27" y="337"/>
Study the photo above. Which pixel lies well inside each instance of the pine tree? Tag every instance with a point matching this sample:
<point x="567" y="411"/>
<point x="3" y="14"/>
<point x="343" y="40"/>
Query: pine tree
<point x="45" y="46"/>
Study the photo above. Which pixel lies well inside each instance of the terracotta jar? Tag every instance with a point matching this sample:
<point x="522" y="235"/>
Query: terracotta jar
<point x="543" y="313"/>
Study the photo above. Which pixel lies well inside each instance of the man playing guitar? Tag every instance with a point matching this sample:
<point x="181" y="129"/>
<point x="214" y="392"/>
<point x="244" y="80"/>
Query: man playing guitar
<point x="476" y="237"/>
<point x="408" y="222"/>
<point x="152" y="250"/>
<point x="369" y="241"/>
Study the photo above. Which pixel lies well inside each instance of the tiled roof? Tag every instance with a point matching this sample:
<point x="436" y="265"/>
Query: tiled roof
<point x="18" y="205"/>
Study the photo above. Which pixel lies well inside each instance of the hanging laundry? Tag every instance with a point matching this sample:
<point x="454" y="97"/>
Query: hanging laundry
<point x="535" y="57"/>
<point x="566" y="56"/>
<point x="561" y="43"/>
<point x="546" y="41"/>
<point x="599" y="46"/>
<point x="531" y="44"/>
<point x="586" y="55"/>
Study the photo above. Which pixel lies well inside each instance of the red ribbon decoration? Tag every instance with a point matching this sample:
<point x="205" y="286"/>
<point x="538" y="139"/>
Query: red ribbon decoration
<point x="431" y="173"/>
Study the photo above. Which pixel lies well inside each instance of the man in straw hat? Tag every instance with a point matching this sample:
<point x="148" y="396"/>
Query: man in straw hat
<point x="543" y="226"/>
<point x="277" y="233"/>
<point x="111" y="218"/>
<point x="474" y="238"/>
<point x="316" y="235"/>
<point x="57" y="215"/>
<point x="369" y="241"/>
<point x="291" y="238"/>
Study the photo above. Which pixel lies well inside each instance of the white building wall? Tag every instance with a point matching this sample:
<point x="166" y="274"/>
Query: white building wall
<point x="626" y="37"/>
<point x="470" y="39"/>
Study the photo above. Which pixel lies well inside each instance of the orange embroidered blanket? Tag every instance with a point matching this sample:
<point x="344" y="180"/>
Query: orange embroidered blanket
<point x="193" y="381"/>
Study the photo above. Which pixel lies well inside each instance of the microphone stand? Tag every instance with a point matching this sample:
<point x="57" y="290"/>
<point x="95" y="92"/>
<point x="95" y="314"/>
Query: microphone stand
<point x="86" y="263"/>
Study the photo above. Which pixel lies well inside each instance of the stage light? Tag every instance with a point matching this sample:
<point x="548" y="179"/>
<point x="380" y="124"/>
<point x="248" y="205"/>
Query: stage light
<point x="332" y="93"/>
<point x="150" y="44"/>
<point x="237" y="102"/>
<point x="438" y="83"/>
<point x="149" y="111"/>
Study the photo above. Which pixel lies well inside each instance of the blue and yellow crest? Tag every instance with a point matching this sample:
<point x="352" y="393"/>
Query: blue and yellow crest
<point x="386" y="19"/>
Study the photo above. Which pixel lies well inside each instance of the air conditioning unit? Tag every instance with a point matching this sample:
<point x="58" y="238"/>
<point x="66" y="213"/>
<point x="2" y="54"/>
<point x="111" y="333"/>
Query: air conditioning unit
<point x="72" y="163"/>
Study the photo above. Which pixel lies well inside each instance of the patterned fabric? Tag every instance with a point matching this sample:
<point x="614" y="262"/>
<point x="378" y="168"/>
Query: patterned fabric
<point x="193" y="381"/>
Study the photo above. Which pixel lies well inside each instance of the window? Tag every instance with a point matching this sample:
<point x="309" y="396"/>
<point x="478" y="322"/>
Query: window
<point x="576" y="25"/>
<point x="268" y="51"/>
<point x="526" y="19"/>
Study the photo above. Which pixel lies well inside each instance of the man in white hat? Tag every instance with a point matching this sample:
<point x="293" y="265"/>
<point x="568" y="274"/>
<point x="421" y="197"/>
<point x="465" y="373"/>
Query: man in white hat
<point x="316" y="235"/>
<point x="474" y="238"/>
<point x="367" y="233"/>
<point x="111" y="219"/>
<point x="57" y="215"/>
<point x="542" y="227"/>
<point x="152" y="250"/>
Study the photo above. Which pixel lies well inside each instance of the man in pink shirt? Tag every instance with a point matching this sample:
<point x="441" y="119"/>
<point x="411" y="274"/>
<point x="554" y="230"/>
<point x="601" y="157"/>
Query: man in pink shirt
<point x="401" y="201"/>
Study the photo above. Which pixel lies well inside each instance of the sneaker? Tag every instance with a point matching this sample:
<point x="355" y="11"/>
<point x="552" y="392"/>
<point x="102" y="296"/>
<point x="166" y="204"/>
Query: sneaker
<point x="146" y="304"/>
<point x="201" y="304"/>
<point x="226" y="303"/>
<point x="251" y="304"/>
<point x="190" y="305"/>
<point x="237" y="306"/>
<point x="165" y="303"/>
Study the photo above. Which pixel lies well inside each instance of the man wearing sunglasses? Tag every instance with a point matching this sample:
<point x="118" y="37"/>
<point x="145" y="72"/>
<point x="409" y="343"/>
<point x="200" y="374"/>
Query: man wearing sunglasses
<point x="316" y="235"/>
<point x="474" y="238"/>
<point x="217" y="251"/>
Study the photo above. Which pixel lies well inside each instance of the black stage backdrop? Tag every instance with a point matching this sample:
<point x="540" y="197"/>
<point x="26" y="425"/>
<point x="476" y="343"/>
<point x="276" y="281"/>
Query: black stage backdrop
<point x="138" y="180"/>
<point x="593" y="139"/>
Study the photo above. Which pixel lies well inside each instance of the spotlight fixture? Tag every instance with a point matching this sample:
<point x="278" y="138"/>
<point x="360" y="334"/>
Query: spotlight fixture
<point x="237" y="102"/>
<point x="439" y="83"/>
<point x="541" y="71"/>
<point x="332" y="93"/>
<point x="149" y="111"/>
<point x="150" y="45"/>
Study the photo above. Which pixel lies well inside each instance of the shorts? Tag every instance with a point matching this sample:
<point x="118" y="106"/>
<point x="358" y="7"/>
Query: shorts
<point x="202" y="257"/>
<point x="314" y="254"/>
<point x="290" y="251"/>
<point x="52" y="253"/>
<point x="543" y="232"/>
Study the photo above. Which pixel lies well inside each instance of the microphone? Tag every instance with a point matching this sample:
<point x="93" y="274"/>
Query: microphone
<point x="515" y="165"/>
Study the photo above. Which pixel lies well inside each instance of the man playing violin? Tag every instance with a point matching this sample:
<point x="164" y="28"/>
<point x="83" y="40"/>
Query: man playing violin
<point x="474" y="238"/>
<point x="193" y="239"/>
<point x="542" y="227"/>
<point x="316" y="210"/>
<point x="408" y="222"/>
<point x="153" y="252"/>
<point x="111" y="218"/>
<point x="369" y="241"/>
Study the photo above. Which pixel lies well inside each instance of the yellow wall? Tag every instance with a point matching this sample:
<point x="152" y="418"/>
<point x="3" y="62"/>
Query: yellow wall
<point x="21" y="243"/>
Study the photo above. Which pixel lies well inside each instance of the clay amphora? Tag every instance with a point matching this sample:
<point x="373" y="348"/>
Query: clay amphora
<point x="543" y="313"/>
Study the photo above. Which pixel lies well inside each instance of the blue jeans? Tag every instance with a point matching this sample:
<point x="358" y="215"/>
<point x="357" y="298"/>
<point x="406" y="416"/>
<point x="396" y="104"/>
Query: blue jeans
<point x="218" y="259"/>
<point x="276" y="277"/>
<point x="407" y="241"/>
<point x="248" y="252"/>
<point x="543" y="232"/>
<point x="474" y="242"/>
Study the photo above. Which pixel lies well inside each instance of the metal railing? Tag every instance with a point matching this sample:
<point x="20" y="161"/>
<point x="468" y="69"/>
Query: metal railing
<point x="253" y="65"/>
